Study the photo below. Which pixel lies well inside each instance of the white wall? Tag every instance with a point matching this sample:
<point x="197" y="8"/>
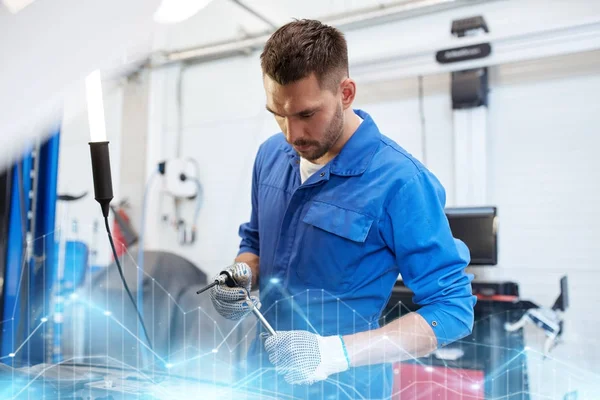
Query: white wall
<point x="543" y="171"/>
<point x="224" y="122"/>
<point x="545" y="179"/>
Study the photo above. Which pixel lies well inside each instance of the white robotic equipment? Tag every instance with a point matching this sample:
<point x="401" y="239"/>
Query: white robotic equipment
<point x="181" y="178"/>
<point x="550" y="320"/>
<point x="182" y="184"/>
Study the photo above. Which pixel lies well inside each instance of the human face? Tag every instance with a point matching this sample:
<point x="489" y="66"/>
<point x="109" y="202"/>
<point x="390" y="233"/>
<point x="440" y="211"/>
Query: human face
<point x="310" y="117"/>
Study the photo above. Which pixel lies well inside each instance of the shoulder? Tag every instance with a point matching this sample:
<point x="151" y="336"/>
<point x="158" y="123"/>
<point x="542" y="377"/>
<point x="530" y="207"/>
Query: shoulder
<point x="402" y="171"/>
<point x="394" y="162"/>
<point x="274" y="142"/>
<point x="273" y="148"/>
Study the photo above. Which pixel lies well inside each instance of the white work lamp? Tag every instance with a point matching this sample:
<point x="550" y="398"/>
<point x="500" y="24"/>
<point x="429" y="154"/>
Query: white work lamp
<point x="98" y="144"/>
<point x="103" y="191"/>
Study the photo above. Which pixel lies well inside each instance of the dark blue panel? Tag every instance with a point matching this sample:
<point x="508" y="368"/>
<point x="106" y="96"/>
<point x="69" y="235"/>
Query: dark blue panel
<point x="44" y="269"/>
<point x="5" y="191"/>
<point x="15" y="304"/>
<point x="75" y="264"/>
<point x="14" y="254"/>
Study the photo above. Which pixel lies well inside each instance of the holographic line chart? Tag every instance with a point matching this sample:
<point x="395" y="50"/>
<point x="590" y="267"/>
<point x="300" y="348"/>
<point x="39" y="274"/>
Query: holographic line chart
<point x="223" y="349"/>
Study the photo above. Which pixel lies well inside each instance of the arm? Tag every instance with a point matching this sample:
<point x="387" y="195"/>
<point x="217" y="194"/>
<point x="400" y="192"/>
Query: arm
<point x="252" y="260"/>
<point x="231" y="303"/>
<point x="249" y="246"/>
<point x="432" y="264"/>
<point x="402" y="339"/>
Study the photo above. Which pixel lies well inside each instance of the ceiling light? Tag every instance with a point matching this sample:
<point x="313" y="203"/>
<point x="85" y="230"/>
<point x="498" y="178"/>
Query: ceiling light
<point x="95" y="103"/>
<point x="14" y="6"/>
<point x="173" y="11"/>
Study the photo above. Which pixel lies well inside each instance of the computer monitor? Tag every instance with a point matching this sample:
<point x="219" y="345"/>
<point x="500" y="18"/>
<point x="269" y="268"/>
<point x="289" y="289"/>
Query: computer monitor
<point x="477" y="228"/>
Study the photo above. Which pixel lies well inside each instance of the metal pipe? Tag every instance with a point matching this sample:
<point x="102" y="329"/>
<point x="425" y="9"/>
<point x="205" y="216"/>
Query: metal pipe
<point x="261" y="318"/>
<point x="255" y="13"/>
<point x="348" y="21"/>
<point x="391" y="12"/>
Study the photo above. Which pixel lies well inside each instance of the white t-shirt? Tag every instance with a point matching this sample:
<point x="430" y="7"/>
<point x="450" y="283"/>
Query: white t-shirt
<point x="308" y="168"/>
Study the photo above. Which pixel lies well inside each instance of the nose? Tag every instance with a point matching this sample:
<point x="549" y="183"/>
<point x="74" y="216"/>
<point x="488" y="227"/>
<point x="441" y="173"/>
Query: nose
<point x="293" y="130"/>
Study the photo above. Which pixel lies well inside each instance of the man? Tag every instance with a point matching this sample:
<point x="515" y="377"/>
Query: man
<point x="338" y="212"/>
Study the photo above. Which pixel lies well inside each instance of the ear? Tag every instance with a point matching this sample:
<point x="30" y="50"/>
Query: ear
<point x="348" y="91"/>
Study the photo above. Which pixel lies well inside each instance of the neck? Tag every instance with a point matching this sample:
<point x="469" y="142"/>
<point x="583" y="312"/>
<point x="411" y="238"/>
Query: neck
<point x="351" y="124"/>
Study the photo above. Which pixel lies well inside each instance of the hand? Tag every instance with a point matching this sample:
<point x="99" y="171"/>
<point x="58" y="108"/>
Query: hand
<point x="304" y="357"/>
<point x="232" y="302"/>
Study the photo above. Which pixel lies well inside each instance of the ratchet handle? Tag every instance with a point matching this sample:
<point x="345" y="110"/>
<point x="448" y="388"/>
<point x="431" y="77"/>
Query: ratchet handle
<point x="224" y="277"/>
<point x="229" y="280"/>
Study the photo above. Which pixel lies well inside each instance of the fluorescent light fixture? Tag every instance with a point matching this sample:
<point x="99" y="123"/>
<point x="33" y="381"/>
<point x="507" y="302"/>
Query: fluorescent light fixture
<point x="14" y="6"/>
<point x="95" y="105"/>
<point x="173" y="11"/>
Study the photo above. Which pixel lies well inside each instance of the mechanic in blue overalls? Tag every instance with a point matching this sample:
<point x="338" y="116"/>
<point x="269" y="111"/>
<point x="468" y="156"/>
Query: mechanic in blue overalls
<point x="338" y="212"/>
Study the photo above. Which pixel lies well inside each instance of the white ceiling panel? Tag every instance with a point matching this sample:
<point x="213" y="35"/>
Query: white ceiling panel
<point x="221" y="20"/>
<point x="283" y="11"/>
<point x="224" y="20"/>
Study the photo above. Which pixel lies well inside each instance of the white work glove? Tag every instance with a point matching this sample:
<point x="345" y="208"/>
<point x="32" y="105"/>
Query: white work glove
<point x="304" y="357"/>
<point x="231" y="302"/>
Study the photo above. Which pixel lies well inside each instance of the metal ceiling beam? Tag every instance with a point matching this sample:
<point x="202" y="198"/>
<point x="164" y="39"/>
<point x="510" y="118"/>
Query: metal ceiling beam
<point x="255" y="13"/>
<point x="553" y="41"/>
<point x="348" y="21"/>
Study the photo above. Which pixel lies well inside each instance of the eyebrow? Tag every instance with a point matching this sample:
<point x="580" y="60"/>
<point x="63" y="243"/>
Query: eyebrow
<point x="303" y="112"/>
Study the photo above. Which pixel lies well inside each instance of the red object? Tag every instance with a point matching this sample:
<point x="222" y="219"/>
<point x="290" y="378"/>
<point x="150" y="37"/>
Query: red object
<point x="499" y="297"/>
<point x="118" y="237"/>
<point x="417" y="381"/>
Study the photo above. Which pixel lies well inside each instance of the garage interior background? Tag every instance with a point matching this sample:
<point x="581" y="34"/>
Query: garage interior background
<point x="543" y="170"/>
<point x="542" y="135"/>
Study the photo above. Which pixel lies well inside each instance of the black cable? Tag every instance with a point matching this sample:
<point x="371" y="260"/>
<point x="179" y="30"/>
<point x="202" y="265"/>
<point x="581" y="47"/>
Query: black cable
<point x="141" y="319"/>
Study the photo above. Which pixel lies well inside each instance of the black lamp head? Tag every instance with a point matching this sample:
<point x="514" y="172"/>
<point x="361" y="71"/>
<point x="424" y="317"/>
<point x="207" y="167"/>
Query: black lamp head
<point x="103" y="192"/>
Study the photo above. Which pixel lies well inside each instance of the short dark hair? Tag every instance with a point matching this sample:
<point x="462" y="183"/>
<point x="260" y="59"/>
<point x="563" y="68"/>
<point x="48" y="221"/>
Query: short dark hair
<point x="303" y="47"/>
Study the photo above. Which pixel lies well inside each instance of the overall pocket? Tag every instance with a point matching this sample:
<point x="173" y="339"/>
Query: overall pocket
<point x="332" y="246"/>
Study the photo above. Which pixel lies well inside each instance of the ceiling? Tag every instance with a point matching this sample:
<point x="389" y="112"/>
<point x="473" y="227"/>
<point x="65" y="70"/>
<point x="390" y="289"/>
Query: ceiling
<point x="224" y="20"/>
<point x="51" y="45"/>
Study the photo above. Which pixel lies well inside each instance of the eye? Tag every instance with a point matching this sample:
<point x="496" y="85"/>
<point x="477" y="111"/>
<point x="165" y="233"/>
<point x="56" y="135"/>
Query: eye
<point x="307" y="116"/>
